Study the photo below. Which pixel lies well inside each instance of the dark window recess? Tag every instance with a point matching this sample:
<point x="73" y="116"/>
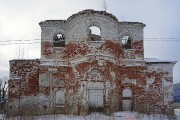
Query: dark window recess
<point x="127" y="42"/>
<point x="59" y="40"/>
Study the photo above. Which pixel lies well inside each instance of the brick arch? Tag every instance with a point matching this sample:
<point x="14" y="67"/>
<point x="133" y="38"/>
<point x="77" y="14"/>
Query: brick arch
<point x="80" y="27"/>
<point x="127" y="86"/>
<point x="95" y="23"/>
<point x="90" y="12"/>
<point x="92" y="36"/>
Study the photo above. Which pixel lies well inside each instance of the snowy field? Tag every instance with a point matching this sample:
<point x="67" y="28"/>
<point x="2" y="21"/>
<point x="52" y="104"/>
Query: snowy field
<point x="100" y="116"/>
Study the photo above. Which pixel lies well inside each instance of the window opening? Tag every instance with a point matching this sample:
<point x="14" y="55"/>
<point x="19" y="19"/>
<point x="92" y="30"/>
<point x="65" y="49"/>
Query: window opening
<point x="126" y="42"/>
<point x="60" y="97"/>
<point x="127" y="99"/>
<point x="59" y="40"/>
<point x="94" y="33"/>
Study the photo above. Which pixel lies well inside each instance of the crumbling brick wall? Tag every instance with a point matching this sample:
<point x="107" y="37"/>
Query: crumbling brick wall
<point x="65" y="76"/>
<point x="118" y="68"/>
<point x="24" y="81"/>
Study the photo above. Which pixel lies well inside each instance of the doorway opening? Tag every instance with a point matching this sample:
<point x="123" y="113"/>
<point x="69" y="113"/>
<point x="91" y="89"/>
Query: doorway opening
<point x="95" y="100"/>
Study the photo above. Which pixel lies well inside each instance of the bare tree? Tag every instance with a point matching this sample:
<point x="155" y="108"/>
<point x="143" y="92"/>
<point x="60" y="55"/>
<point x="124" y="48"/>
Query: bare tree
<point x="3" y="93"/>
<point x="104" y="5"/>
<point x="20" y="52"/>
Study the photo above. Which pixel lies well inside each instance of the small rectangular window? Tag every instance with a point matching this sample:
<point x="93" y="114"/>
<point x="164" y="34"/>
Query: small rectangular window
<point x="60" y="97"/>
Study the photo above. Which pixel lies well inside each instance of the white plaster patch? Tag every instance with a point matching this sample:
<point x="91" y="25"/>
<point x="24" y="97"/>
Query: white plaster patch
<point x="127" y="80"/>
<point x="44" y="79"/>
<point x="113" y="75"/>
<point x="149" y="82"/>
<point x="59" y="97"/>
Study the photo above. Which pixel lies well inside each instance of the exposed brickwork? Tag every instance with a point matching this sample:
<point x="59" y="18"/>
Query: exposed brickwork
<point x="47" y="49"/>
<point x="66" y="79"/>
<point x="138" y="49"/>
<point x="14" y="89"/>
<point x="24" y="77"/>
<point x="112" y="47"/>
<point x="73" y="50"/>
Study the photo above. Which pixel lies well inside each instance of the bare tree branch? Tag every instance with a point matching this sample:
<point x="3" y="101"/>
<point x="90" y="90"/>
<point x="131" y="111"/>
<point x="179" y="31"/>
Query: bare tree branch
<point x="3" y="93"/>
<point x="104" y="5"/>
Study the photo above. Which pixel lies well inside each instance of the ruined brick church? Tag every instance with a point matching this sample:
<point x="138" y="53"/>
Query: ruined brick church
<point x="91" y="62"/>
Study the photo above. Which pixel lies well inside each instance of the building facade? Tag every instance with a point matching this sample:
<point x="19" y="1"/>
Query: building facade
<point x="82" y="71"/>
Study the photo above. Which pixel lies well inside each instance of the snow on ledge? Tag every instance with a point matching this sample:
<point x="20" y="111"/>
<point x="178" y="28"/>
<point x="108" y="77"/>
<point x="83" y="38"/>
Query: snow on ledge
<point x="156" y="60"/>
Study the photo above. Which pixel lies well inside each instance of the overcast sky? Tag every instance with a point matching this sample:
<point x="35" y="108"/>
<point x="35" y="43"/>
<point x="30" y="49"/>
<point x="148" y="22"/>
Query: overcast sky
<point x="19" y="21"/>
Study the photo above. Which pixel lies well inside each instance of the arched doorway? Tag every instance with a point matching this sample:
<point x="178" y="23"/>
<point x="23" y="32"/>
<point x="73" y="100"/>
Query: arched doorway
<point x="127" y="99"/>
<point x="95" y="91"/>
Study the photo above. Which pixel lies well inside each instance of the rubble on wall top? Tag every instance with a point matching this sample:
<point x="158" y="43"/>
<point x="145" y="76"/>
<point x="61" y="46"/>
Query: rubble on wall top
<point x="56" y="20"/>
<point x="51" y="22"/>
<point x="125" y="22"/>
<point x="81" y="13"/>
<point x="24" y="60"/>
<point x="91" y="11"/>
<point x="84" y="12"/>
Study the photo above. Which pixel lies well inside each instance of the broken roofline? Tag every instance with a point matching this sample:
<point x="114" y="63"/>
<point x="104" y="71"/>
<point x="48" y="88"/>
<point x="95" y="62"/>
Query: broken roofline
<point x="156" y="60"/>
<point x="89" y="12"/>
<point x="24" y="59"/>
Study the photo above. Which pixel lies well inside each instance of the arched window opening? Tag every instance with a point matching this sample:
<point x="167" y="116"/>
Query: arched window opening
<point x="94" y="33"/>
<point x="126" y="42"/>
<point x="59" y="40"/>
<point x="127" y="93"/>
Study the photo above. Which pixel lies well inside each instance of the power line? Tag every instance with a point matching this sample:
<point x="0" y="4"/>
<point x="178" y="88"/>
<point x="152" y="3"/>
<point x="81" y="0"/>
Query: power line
<point x="85" y="38"/>
<point x="34" y="41"/>
<point x="19" y="40"/>
<point x="162" y="40"/>
<point x="19" y="43"/>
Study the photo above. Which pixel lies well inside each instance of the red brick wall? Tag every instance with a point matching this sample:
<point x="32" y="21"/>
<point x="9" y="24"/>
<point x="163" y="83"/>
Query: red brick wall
<point x="24" y="78"/>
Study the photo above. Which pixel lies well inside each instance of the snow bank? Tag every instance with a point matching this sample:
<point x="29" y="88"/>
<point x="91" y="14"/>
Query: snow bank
<point x="177" y="113"/>
<point x="100" y="116"/>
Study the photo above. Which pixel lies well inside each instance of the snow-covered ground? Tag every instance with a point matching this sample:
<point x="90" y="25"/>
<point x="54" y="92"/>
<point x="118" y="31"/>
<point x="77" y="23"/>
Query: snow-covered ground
<point x="177" y="113"/>
<point x="100" y="116"/>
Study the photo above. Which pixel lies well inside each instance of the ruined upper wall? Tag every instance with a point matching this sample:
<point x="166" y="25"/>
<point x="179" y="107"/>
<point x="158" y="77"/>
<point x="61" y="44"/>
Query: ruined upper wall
<point x="76" y="30"/>
<point x="76" y="27"/>
<point x="133" y="29"/>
